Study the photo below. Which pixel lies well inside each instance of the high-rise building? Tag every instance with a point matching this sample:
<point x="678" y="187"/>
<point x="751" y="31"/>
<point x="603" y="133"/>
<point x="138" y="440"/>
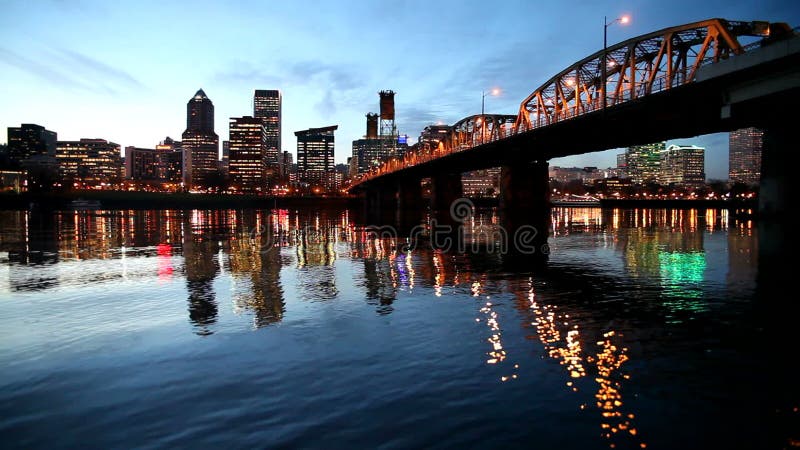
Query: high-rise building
<point x="246" y="158"/>
<point x="170" y="153"/>
<point x="744" y="157"/>
<point x="286" y="162"/>
<point x="30" y="140"/>
<point x="142" y="164"/>
<point x="267" y="107"/>
<point x="200" y="142"/>
<point x="644" y="162"/>
<point x="315" y="149"/>
<point x="622" y="165"/>
<point x="683" y="165"/>
<point x="226" y="152"/>
<point x="89" y="161"/>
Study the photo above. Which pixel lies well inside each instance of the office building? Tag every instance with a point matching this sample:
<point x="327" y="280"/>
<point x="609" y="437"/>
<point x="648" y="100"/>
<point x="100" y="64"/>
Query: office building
<point x="90" y="161"/>
<point x="683" y="165"/>
<point x="200" y="142"/>
<point x="170" y="154"/>
<point x="315" y="150"/>
<point x="644" y="162"/>
<point x="142" y="164"/>
<point x="29" y="140"/>
<point x="267" y="107"/>
<point x="744" y="155"/>
<point x="246" y="158"/>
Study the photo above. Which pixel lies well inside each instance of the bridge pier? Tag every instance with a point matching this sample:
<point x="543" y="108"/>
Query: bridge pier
<point x="409" y="204"/>
<point x="525" y="209"/>
<point x="380" y="203"/>
<point x="445" y="189"/>
<point x="776" y="241"/>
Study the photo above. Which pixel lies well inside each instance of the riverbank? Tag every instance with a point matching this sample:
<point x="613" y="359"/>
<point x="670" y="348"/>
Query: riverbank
<point x="679" y="203"/>
<point x="163" y="200"/>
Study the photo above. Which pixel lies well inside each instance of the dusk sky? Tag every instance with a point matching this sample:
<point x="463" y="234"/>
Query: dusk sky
<point x="124" y="72"/>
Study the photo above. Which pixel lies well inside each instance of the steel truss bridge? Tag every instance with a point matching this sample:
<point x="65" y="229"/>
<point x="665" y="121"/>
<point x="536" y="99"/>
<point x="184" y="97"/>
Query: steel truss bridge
<point x="656" y="74"/>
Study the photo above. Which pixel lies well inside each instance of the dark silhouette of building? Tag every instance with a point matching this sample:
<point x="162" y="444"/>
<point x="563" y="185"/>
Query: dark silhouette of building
<point x="200" y="142"/>
<point x="315" y="150"/>
<point x="246" y="158"/>
<point x="29" y="140"/>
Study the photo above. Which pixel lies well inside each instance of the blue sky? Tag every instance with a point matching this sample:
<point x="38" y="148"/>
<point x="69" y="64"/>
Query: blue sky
<point x="123" y="71"/>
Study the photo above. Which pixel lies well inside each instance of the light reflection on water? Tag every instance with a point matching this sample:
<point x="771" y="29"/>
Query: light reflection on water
<point x="617" y="343"/>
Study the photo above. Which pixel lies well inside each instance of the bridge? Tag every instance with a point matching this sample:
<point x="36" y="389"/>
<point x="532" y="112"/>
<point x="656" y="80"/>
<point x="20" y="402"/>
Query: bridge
<point x="682" y="81"/>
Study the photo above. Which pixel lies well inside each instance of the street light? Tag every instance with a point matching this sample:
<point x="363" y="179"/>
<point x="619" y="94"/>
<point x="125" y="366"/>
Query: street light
<point x="623" y="20"/>
<point x="494" y="91"/>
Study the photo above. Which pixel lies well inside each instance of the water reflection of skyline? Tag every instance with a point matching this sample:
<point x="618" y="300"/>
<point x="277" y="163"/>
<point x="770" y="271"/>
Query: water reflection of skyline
<point x="240" y="261"/>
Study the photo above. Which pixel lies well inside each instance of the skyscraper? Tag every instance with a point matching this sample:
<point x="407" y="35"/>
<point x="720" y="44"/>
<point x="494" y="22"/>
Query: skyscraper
<point x="267" y="107"/>
<point x="744" y="155"/>
<point x="315" y="149"/>
<point x="683" y="165"/>
<point x="644" y="162"/>
<point x="246" y="154"/>
<point x="200" y="143"/>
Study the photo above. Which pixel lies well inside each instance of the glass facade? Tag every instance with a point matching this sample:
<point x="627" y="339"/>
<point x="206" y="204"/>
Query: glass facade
<point x="315" y="149"/>
<point x="267" y="107"/>
<point x="246" y="154"/>
<point x="89" y="161"/>
<point x="744" y="157"/>
<point x="683" y="165"/>
<point x="644" y="162"/>
<point x="200" y="142"/>
<point x="29" y="140"/>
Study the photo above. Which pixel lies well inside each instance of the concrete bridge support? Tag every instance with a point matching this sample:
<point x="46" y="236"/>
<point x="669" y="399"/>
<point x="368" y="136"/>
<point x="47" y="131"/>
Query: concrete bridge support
<point x="525" y="208"/>
<point x="445" y="189"/>
<point x="380" y="204"/>
<point x="777" y="242"/>
<point x="409" y="204"/>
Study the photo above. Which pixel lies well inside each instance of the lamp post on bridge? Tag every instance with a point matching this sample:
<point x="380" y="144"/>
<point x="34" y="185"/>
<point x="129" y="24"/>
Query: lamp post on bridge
<point x="495" y="92"/>
<point x="604" y="63"/>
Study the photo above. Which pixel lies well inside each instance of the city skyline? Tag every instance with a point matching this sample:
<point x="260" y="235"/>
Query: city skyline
<point x="86" y="88"/>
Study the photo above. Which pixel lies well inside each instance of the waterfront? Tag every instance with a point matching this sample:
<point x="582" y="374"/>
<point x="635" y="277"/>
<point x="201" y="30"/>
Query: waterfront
<point x="295" y="328"/>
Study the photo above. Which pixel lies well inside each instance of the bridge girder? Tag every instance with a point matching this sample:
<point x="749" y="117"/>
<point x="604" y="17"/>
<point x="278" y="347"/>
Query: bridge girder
<point x="640" y="66"/>
<point x="636" y="67"/>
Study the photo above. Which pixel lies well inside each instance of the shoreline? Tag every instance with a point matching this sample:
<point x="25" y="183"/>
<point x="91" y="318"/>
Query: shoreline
<point x="180" y="200"/>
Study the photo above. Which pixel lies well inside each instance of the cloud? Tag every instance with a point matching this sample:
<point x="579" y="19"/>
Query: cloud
<point x="338" y="85"/>
<point x="100" y="69"/>
<point x="72" y="69"/>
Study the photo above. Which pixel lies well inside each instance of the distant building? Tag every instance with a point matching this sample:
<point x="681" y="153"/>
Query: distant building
<point x="286" y="163"/>
<point x="170" y="154"/>
<point x="481" y="183"/>
<point x="223" y="164"/>
<point x="246" y="159"/>
<point x="683" y="165"/>
<point x="267" y="107"/>
<point x="432" y="135"/>
<point x="142" y="164"/>
<point x="744" y="157"/>
<point x="315" y="150"/>
<point x="200" y="142"/>
<point x="89" y="161"/>
<point x="622" y="165"/>
<point x="29" y="140"/>
<point x="644" y="162"/>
